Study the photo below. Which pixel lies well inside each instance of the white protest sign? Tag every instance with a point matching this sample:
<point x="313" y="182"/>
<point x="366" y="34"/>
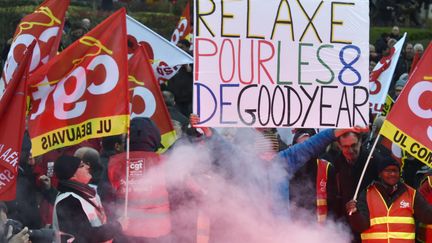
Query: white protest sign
<point x="279" y="63"/>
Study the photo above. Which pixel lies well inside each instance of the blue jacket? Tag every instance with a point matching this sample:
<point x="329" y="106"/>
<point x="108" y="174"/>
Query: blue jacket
<point x="292" y="159"/>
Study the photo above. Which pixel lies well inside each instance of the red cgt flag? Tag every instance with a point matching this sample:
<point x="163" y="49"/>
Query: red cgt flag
<point x="146" y="97"/>
<point x="12" y="123"/>
<point x="184" y="28"/>
<point x="82" y="93"/>
<point x="45" y="25"/>
<point x="409" y="123"/>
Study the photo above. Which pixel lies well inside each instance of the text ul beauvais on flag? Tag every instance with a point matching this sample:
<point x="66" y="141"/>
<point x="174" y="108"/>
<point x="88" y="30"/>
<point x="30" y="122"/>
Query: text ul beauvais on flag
<point x="82" y="93"/>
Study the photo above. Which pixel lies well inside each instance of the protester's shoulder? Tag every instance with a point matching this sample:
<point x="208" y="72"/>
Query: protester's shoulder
<point x="68" y="203"/>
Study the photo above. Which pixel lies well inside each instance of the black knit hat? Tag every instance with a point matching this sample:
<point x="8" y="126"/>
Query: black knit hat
<point x="386" y="160"/>
<point x="144" y="135"/>
<point x="66" y="166"/>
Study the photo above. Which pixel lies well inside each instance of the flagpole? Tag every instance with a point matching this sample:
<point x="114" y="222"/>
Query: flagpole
<point x="127" y="174"/>
<point x="364" y="168"/>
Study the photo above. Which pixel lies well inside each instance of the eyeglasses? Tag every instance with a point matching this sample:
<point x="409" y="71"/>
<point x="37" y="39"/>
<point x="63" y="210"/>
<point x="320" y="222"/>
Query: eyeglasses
<point x="83" y="163"/>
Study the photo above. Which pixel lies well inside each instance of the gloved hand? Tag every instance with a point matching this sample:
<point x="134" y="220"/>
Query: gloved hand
<point x="351" y="207"/>
<point x="194" y="120"/>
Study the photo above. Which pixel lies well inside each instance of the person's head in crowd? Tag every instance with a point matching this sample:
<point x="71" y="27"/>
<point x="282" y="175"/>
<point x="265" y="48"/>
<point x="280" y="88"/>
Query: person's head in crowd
<point x="114" y="143"/>
<point x="395" y="32"/>
<point x="385" y="36"/>
<point x="85" y="24"/>
<point x="91" y="157"/>
<point x="184" y="45"/>
<point x="303" y="134"/>
<point x="21" y="237"/>
<point x="168" y="98"/>
<point x="400" y="84"/>
<point x="76" y="34"/>
<point x="372" y="65"/>
<point x="390" y="43"/>
<point x="409" y="51"/>
<point x="144" y="135"/>
<point x="350" y="145"/>
<point x="73" y="169"/>
<point x="388" y="170"/>
<point x="418" y="48"/>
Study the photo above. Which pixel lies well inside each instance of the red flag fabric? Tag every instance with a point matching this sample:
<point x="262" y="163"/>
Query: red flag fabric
<point x="82" y="93"/>
<point x="396" y="151"/>
<point x="184" y="27"/>
<point x="45" y="25"/>
<point x="12" y="123"/>
<point x="146" y="97"/>
<point x="416" y="59"/>
<point x="409" y="123"/>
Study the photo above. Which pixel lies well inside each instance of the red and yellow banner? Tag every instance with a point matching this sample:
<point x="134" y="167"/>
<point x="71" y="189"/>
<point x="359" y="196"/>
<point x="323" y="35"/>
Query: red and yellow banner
<point x="45" y="26"/>
<point x="183" y="29"/>
<point x="409" y="123"/>
<point x="388" y="104"/>
<point x="82" y="93"/>
<point x="396" y="152"/>
<point x="146" y="97"/>
<point x="12" y="123"/>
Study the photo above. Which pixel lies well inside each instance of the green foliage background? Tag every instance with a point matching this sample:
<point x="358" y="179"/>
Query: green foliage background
<point x="159" y="15"/>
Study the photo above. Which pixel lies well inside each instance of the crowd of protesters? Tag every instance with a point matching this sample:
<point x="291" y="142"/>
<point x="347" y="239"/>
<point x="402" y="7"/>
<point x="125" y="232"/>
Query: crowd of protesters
<point x="81" y="191"/>
<point x="401" y="12"/>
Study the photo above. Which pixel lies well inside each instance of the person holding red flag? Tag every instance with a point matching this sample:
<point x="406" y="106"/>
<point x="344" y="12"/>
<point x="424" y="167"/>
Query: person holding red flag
<point x="147" y="209"/>
<point x="388" y="209"/>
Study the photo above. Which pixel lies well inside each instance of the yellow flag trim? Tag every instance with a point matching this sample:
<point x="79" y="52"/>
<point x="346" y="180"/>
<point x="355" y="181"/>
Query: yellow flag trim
<point x="416" y="149"/>
<point x="75" y="134"/>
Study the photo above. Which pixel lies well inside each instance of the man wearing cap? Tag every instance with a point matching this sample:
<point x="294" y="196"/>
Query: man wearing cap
<point x="387" y="210"/>
<point x="400" y="84"/>
<point x="148" y="211"/>
<point x="78" y="212"/>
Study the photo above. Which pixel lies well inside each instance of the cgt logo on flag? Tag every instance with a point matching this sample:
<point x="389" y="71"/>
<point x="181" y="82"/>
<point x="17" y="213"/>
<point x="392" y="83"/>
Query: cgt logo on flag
<point x="44" y="26"/>
<point x="82" y="93"/>
<point x="409" y="122"/>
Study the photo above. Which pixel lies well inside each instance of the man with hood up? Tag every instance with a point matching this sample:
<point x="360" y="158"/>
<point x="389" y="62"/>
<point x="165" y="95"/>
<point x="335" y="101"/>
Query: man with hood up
<point x="148" y="211"/>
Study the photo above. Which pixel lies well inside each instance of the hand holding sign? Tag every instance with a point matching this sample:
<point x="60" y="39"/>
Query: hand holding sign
<point x="194" y="120"/>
